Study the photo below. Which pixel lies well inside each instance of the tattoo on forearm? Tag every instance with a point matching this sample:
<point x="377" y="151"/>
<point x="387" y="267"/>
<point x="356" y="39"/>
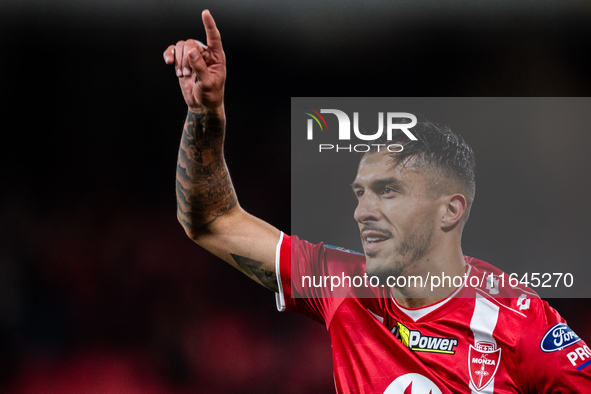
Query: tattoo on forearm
<point x="203" y="186"/>
<point x="253" y="269"/>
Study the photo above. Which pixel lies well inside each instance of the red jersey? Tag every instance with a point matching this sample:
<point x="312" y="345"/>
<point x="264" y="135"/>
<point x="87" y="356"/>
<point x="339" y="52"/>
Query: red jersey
<point x="484" y="339"/>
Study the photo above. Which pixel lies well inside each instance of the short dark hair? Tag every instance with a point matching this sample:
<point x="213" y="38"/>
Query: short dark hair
<point x="443" y="151"/>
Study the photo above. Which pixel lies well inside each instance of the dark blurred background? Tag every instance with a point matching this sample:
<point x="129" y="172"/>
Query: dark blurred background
<point x="100" y="290"/>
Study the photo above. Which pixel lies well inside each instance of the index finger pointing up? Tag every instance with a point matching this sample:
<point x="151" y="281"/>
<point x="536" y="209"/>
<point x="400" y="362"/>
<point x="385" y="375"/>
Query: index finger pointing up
<point x="214" y="40"/>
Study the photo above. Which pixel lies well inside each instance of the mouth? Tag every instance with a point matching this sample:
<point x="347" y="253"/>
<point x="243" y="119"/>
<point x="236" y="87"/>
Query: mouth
<point x="372" y="240"/>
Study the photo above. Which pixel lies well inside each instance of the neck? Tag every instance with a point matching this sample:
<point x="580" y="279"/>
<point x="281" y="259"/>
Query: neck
<point x="436" y="280"/>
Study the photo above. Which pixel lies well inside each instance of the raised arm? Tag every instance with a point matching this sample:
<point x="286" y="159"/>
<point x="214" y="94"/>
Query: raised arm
<point x="207" y="206"/>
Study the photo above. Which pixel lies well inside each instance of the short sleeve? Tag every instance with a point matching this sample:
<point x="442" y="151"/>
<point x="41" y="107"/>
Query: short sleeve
<point x="282" y="268"/>
<point x="301" y="266"/>
<point x="552" y="358"/>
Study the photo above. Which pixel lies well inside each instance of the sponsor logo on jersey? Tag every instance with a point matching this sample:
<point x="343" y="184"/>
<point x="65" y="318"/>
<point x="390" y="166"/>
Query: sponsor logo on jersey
<point x="558" y="337"/>
<point x="412" y="383"/>
<point x="580" y="354"/>
<point x="417" y="342"/>
<point x="483" y="363"/>
<point x="523" y="302"/>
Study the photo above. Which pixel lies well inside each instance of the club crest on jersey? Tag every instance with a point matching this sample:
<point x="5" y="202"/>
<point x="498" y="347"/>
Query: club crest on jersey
<point x="417" y="342"/>
<point x="558" y="337"/>
<point x="483" y="363"/>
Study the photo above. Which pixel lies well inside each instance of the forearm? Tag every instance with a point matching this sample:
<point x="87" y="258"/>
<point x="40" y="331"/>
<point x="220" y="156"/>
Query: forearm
<point x="205" y="193"/>
<point x="203" y="186"/>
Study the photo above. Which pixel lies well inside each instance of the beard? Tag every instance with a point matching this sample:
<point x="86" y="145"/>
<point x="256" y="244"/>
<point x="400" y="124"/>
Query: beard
<point x="407" y="252"/>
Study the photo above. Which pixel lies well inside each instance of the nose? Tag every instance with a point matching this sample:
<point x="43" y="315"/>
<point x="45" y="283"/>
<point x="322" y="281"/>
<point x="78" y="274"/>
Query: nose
<point x="367" y="209"/>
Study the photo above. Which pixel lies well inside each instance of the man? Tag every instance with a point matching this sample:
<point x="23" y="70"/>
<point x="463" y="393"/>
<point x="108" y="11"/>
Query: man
<point x="481" y="336"/>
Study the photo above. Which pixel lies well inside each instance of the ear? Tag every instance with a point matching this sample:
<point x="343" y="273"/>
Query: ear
<point x="456" y="205"/>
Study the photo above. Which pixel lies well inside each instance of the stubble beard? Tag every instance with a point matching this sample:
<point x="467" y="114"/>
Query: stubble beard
<point x="406" y="253"/>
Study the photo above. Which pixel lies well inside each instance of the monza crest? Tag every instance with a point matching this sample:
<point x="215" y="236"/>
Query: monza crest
<point x="483" y="363"/>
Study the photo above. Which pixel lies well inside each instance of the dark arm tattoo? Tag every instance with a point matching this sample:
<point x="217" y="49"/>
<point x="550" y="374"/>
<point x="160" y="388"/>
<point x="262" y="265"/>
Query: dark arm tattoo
<point x="253" y="269"/>
<point x="204" y="190"/>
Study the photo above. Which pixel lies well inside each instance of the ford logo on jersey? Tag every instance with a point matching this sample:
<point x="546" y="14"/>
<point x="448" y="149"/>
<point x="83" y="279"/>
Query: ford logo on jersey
<point x="558" y="337"/>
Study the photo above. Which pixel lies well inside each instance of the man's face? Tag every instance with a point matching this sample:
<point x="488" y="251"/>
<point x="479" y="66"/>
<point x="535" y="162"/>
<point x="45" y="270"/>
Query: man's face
<point x="397" y="215"/>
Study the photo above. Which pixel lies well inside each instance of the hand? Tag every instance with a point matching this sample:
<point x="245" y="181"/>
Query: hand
<point x="201" y="69"/>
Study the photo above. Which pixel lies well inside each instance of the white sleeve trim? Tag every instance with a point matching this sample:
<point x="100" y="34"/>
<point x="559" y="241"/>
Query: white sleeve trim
<point x="279" y="297"/>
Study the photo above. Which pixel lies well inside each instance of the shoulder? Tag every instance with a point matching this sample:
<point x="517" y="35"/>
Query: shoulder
<point x="524" y="310"/>
<point x="336" y="259"/>
<point x="336" y="255"/>
<point x="503" y="290"/>
<point x="545" y="353"/>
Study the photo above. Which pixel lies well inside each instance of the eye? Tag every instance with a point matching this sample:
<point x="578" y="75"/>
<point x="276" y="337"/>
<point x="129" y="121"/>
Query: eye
<point x="358" y="193"/>
<point x="388" y="190"/>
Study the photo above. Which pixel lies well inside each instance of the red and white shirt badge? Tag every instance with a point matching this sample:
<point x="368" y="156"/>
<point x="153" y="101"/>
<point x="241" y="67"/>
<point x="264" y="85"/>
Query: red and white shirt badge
<point x="483" y="363"/>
